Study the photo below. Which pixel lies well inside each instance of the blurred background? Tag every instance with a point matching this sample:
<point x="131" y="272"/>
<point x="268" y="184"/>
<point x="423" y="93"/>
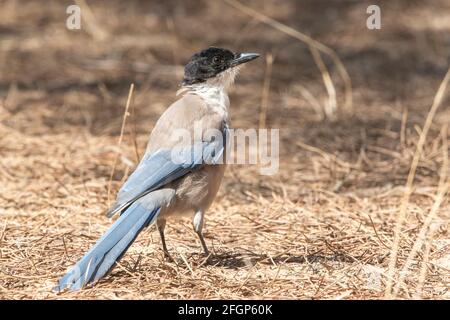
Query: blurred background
<point x="342" y="173"/>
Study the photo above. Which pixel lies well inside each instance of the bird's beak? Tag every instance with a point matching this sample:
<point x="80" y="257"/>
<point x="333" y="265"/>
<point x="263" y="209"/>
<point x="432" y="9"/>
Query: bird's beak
<point x="243" y="58"/>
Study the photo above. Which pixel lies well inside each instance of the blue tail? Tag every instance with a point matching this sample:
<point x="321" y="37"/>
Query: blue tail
<point x="114" y="243"/>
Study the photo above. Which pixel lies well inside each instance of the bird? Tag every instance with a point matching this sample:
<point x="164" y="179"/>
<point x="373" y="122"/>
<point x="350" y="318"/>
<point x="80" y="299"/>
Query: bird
<point x="173" y="178"/>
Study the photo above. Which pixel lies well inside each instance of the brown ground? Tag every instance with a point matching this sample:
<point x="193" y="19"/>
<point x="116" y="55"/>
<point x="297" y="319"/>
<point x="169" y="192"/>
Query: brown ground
<point x="323" y="227"/>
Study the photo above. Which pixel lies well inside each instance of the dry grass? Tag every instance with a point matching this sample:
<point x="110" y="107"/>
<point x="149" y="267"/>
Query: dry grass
<point x="323" y="227"/>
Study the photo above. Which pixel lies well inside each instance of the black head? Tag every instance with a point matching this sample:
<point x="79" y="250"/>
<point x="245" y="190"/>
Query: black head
<point x="210" y="62"/>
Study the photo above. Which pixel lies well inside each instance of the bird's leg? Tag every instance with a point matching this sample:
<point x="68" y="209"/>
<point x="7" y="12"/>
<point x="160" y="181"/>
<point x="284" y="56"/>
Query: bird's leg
<point x="198" y="226"/>
<point x="161" y="224"/>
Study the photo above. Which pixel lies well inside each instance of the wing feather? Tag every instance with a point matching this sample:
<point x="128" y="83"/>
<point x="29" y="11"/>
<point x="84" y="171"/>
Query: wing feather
<point x="165" y="166"/>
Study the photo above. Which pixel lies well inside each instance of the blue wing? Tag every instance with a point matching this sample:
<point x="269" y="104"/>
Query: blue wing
<point x="164" y="166"/>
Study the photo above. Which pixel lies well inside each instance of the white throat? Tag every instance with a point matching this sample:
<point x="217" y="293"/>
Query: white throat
<point x="214" y="91"/>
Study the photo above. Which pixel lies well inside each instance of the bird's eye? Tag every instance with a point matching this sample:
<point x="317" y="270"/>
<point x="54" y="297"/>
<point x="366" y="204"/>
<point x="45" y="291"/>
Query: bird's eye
<point x="216" y="59"/>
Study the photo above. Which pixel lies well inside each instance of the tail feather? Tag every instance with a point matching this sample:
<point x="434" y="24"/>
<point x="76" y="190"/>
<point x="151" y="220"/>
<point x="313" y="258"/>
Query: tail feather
<point x="115" y="242"/>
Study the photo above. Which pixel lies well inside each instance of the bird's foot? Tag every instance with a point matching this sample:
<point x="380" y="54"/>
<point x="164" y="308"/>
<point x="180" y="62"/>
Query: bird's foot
<point x="168" y="257"/>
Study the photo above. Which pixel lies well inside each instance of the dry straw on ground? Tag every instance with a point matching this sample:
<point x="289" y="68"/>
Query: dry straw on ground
<point x="324" y="227"/>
